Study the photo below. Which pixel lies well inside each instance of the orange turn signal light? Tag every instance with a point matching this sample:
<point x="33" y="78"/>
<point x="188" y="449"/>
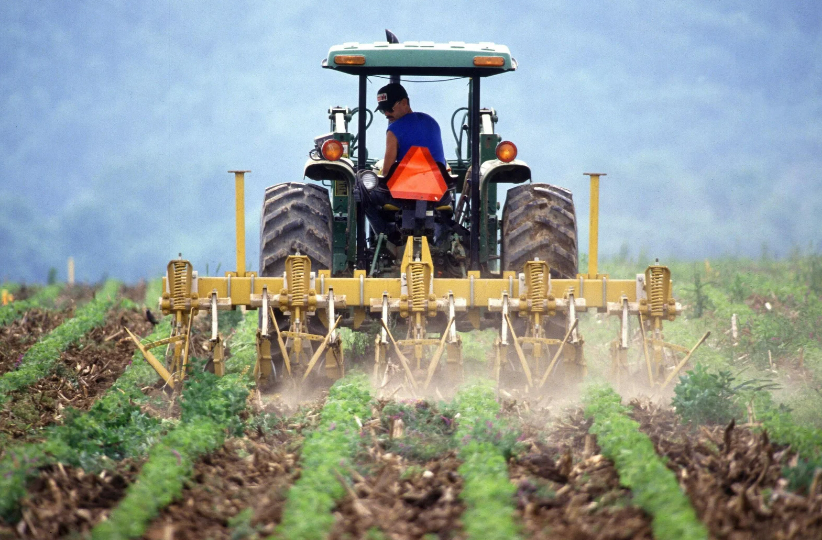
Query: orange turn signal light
<point x="332" y="150"/>
<point x="506" y="151"/>
<point x="489" y="61"/>
<point x="349" y="60"/>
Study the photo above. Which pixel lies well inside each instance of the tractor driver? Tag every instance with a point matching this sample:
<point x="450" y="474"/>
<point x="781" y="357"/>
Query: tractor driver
<point x="406" y="128"/>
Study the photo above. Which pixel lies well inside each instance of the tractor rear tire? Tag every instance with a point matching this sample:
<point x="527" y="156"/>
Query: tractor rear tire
<point x="296" y="217"/>
<point x="538" y="220"/>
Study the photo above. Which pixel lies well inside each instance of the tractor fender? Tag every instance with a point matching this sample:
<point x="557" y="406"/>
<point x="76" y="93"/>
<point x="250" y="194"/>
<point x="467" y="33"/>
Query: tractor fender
<point x="322" y="169"/>
<point x="495" y="171"/>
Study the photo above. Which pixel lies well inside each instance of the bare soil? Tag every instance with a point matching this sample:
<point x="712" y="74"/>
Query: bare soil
<point x="79" y="293"/>
<point x="402" y="503"/>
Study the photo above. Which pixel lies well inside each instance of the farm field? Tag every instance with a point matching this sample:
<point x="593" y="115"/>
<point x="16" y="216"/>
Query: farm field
<point x="92" y="446"/>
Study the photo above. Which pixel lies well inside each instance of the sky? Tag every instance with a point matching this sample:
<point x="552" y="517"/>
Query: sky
<point x="121" y="119"/>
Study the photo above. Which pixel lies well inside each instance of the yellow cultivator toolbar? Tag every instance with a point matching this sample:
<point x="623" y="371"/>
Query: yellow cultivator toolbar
<point x="519" y="305"/>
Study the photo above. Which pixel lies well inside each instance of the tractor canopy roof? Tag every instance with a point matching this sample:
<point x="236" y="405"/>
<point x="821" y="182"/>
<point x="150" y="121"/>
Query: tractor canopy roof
<point x="455" y="58"/>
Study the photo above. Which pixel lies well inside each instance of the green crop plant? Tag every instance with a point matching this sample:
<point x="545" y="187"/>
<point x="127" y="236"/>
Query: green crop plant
<point x="42" y="356"/>
<point x="326" y="453"/>
<point x="485" y="442"/>
<point x="210" y="409"/>
<point x="655" y="488"/>
<point x="477" y="344"/>
<point x="161" y="479"/>
<point x="45" y="297"/>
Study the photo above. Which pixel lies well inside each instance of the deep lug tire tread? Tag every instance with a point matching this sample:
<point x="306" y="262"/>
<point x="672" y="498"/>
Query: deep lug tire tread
<point x="295" y="217"/>
<point x="538" y="220"/>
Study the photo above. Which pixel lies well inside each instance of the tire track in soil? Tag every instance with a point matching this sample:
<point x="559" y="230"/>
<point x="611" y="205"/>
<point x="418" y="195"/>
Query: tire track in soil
<point x="85" y="372"/>
<point x="733" y="477"/>
<point x="567" y="489"/>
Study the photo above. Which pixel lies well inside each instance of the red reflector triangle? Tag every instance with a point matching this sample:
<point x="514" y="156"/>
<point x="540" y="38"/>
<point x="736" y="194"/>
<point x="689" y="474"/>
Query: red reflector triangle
<point x="417" y="177"/>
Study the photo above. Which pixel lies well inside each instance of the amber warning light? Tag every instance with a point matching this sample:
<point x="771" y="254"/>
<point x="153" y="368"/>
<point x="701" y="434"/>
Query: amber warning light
<point x="349" y="60"/>
<point x="489" y="61"/>
<point x="332" y="150"/>
<point x="506" y="151"/>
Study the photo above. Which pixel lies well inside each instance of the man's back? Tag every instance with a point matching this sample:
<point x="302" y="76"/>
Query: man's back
<point x="418" y="129"/>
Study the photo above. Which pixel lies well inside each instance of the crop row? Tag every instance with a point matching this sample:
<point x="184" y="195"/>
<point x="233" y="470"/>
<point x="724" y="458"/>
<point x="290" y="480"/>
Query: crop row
<point x="114" y="428"/>
<point x="654" y="487"/>
<point x="327" y="452"/>
<point x="486" y="443"/>
<point x="41" y="357"/>
<point x="210" y="408"/>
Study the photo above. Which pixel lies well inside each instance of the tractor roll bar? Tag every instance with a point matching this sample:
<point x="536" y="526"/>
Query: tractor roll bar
<point x="361" y="157"/>
<point x="474" y="109"/>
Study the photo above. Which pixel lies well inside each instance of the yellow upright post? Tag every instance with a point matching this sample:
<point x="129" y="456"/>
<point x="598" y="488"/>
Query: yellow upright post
<point x="593" y="229"/>
<point x="239" y="199"/>
<point x="70" y="280"/>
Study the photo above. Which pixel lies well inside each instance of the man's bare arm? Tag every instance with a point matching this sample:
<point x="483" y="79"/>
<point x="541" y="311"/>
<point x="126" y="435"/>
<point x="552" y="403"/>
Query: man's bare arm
<point x="391" y="146"/>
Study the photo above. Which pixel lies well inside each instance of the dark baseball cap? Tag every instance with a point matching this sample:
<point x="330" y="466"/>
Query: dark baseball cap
<point x="388" y="95"/>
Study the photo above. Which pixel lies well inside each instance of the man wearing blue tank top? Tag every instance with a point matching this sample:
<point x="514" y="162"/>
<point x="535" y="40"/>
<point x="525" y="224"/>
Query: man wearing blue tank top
<point x="406" y="128"/>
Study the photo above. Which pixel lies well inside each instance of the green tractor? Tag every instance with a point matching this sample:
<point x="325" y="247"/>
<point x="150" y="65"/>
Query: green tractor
<point x="433" y="257"/>
<point x="538" y="220"/>
<point x="326" y="221"/>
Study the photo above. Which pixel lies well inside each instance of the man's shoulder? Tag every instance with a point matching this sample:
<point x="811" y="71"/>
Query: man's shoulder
<point x="424" y="117"/>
